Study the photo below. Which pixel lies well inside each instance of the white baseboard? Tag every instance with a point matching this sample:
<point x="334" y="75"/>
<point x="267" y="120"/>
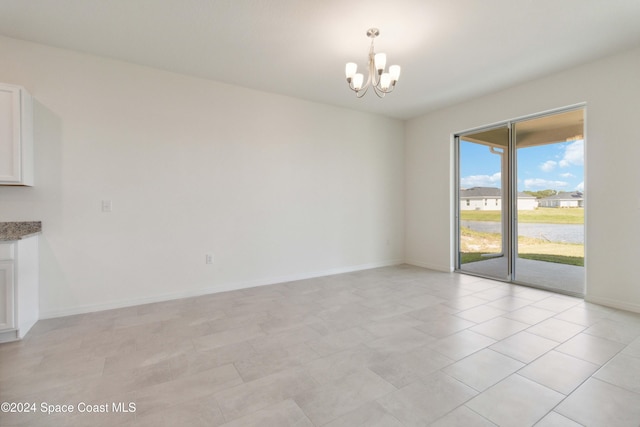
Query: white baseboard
<point x="613" y="303"/>
<point x="90" y="308"/>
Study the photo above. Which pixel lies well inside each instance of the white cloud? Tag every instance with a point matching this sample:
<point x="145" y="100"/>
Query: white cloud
<point x="567" y="175"/>
<point x="481" y="180"/>
<point x="543" y="184"/>
<point x="548" y="166"/>
<point x="580" y="187"/>
<point x="573" y="154"/>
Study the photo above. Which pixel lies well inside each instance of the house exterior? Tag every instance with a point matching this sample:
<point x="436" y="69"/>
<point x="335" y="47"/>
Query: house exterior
<point x="563" y="199"/>
<point x="490" y="199"/>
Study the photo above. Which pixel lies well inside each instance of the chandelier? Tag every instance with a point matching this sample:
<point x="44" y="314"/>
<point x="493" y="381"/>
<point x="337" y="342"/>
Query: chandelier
<point x="381" y="81"/>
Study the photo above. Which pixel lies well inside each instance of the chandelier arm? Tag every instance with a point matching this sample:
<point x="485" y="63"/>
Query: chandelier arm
<point x="387" y="90"/>
<point x="381" y="93"/>
<point x="362" y="90"/>
<point x="360" y="93"/>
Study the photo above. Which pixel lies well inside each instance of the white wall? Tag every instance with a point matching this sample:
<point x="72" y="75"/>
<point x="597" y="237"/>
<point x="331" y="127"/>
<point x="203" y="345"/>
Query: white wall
<point x="276" y="188"/>
<point x="611" y="89"/>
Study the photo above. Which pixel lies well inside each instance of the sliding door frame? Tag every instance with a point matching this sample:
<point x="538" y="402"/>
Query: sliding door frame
<point x="506" y="208"/>
<point x="510" y="185"/>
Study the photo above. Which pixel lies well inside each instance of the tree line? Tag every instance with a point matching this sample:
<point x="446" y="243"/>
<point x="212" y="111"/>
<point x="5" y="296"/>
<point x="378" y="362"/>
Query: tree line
<point x="541" y="194"/>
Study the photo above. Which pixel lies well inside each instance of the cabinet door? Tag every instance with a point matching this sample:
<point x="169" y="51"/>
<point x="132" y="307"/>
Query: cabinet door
<point x="10" y="134"/>
<point x="7" y="317"/>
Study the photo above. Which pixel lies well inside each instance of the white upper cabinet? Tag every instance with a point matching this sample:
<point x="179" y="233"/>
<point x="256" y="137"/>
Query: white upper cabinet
<point x="16" y="136"/>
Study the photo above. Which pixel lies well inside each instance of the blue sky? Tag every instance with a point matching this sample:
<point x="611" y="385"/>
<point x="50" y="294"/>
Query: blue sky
<point x="557" y="166"/>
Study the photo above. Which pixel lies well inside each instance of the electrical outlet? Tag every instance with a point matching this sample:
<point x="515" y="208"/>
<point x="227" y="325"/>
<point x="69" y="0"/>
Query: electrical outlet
<point x="208" y="258"/>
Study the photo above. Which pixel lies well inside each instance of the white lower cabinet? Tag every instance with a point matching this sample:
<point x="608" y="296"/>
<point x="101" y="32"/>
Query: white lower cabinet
<point x="7" y="319"/>
<point x="19" y="304"/>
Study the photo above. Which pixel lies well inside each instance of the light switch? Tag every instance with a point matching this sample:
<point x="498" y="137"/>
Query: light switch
<point x="106" y="206"/>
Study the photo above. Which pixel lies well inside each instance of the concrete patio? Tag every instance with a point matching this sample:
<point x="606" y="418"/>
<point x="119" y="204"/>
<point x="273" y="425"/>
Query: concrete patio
<point x="547" y="275"/>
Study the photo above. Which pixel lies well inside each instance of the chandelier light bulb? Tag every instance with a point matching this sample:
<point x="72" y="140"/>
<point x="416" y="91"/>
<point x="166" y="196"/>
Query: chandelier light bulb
<point x="379" y="79"/>
<point x="385" y="81"/>
<point x="350" y="69"/>
<point x="380" y="61"/>
<point x="394" y="70"/>
<point x="357" y="81"/>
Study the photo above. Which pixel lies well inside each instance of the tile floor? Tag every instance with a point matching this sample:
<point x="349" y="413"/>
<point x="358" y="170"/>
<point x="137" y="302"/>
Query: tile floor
<point x="395" y="346"/>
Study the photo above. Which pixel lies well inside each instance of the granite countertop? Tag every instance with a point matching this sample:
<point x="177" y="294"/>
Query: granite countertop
<point x="19" y="230"/>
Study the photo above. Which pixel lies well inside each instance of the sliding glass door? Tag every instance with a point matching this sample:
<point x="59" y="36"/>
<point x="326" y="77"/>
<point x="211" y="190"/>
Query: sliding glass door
<point x="550" y="216"/>
<point x="483" y="187"/>
<point x="520" y="201"/>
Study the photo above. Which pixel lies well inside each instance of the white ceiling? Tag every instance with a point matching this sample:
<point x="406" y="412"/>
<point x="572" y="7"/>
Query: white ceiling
<point x="449" y="50"/>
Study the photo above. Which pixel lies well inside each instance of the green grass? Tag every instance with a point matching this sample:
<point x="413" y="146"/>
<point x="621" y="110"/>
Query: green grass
<point x="539" y="215"/>
<point x="468" y="257"/>
<point x="560" y="259"/>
